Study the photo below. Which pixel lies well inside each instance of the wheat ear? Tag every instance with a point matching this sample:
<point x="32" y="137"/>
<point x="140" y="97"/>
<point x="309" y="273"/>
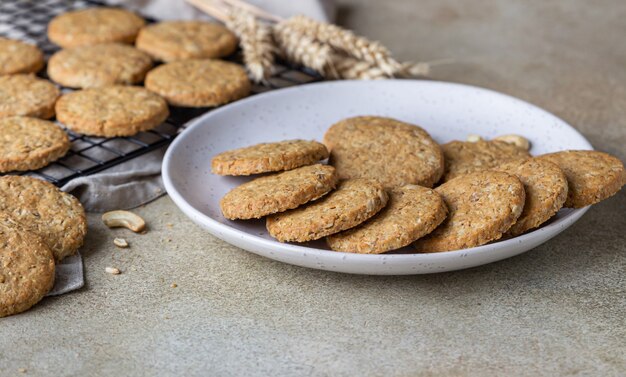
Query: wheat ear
<point x="257" y="44"/>
<point x="301" y="48"/>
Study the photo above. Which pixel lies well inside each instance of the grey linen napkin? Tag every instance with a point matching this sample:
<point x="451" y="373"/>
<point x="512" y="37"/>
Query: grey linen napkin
<point x="138" y="181"/>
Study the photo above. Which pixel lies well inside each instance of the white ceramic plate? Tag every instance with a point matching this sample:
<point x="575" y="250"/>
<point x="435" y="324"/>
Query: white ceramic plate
<point x="447" y="111"/>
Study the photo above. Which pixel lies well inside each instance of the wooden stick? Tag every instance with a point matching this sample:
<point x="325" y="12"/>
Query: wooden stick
<point x="254" y="10"/>
<point x="211" y="8"/>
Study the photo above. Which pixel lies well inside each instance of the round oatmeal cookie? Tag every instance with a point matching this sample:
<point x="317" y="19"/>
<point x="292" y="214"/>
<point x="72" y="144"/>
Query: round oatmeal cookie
<point x="592" y="176"/>
<point x="546" y="190"/>
<point x="393" y="152"/>
<point x="26" y="268"/>
<point x="27" y="95"/>
<point x="94" y="25"/>
<point x="278" y="192"/>
<point x="181" y="40"/>
<point x="19" y="57"/>
<point x="30" y="143"/>
<point x="99" y="65"/>
<point x="199" y="83"/>
<point x="353" y="202"/>
<point x="268" y="157"/>
<point x="111" y="110"/>
<point x="482" y="207"/>
<point x="40" y="207"/>
<point x="464" y="157"/>
<point x="411" y="213"/>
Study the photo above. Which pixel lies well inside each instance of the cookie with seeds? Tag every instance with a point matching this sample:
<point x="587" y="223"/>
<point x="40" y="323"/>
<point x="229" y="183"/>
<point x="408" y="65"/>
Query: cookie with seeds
<point x="40" y="207"/>
<point x="26" y="268"/>
<point x="199" y="83"/>
<point x="99" y="65"/>
<point x="482" y="207"/>
<point x="181" y="40"/>
<point x="592" y="176"/>
<point x="411" y="213"/>
<point x="27" y="95"/>
<point x="278" y="192"/>
<point x="19" y="57"/>
<point x="111" y="110"/>
<point x="30" y="143"/>
<point x="94" y="25"/>
<point x="393" y="152"/>
<point x="268" y="157"/>
<point x="464" y="157"/>
<point x="353" y="202"/>
<point x="545" y="186"/>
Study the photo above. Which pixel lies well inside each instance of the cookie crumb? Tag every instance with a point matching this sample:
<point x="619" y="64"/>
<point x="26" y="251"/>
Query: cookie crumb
<point x="112" y="270"/>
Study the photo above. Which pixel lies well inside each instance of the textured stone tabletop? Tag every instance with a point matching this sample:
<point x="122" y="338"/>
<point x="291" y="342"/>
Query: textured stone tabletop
<point x="189" y="304"/>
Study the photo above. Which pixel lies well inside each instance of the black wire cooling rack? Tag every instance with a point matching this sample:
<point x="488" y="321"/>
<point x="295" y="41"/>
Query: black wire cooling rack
<point x="27" y="20"/>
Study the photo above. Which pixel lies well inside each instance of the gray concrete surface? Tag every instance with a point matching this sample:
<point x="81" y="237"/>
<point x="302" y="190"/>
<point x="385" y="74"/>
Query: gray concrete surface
<point x="557" y="310"/>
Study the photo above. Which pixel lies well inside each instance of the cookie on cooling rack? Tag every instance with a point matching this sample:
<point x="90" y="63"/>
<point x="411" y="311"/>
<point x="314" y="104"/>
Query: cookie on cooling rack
<point x="99" y="65"/>
<point x="19" y="57"/>
<point x="111" y="111"/>
<point x="30" y="143"/>
<point x="94" y="25"/>
<point x="181" y="40"/>
<point x="199" y="83"/>
<point x="482" y="207"/>
<point x="546" y="190"/>
<point x="353" y="202"/>
<point x="28" y="95"/>
<point x="40" y="207"/>
<point x="464" y="157"/>
<point x="278" y="192"/>
<point x="27" y="272"/>
<point x="393" y="152"/>
<point x="268" y="157"/>
<point x="411" y="213"/>
<point x="592" y="176"/>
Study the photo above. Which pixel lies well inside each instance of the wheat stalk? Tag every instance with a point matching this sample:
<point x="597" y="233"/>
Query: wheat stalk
<point x="257" y="44"/>
<point x="346" y="41"/>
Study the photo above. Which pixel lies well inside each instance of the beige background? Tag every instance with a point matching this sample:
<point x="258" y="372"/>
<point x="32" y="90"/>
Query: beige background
<point x="557" y="310"/>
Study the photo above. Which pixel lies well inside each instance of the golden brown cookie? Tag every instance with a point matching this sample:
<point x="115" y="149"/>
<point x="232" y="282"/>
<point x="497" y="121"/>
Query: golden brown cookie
<point x="30" y="143"/>
<point x="19" y="57"/>
<point x="411" y="213"/>
<point x="353" y="202"/>
<point x="94" y="25"/>
<point x="268" y="157"/>
<point x="546" y="190"/>
<point x="464" y="157"/>
<point x="40" y="207"/>
<point x="592" y="176"/>
<point x="199" y="83"/>
<point x="111" y="111"/>
<point x="482" y="207"/>
<point x="27" y="95"/>
<point x="181" y="40"/>
<point x="26" y="268"/>
<point x="99" y="65"/>
<point x="393" y="152"/>
<point x="278" y="192"/>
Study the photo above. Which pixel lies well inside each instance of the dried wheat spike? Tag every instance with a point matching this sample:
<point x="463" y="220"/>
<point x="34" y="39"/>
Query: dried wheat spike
<point x="346" y="41"/>
<point x="302" y="49"/>
<point x="257" y="44"/>
<point x="349" y="68"/>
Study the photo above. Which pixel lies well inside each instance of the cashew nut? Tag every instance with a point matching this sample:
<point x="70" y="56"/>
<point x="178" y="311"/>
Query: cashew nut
<point x="517" y="140"/>
<point x="124" y="219"/>
<point x="472" y="138"/>
<point x="112" y="270"/>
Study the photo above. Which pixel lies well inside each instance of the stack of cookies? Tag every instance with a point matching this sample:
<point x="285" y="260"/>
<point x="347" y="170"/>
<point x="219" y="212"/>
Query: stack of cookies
<point x="39" y="225"/>
<point x="99" y="60"/>
<point x="388" y="185"/>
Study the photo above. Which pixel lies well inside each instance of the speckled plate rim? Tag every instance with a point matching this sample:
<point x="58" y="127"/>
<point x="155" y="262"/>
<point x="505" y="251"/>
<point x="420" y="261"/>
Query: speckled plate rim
<point x="382" y="264"/>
